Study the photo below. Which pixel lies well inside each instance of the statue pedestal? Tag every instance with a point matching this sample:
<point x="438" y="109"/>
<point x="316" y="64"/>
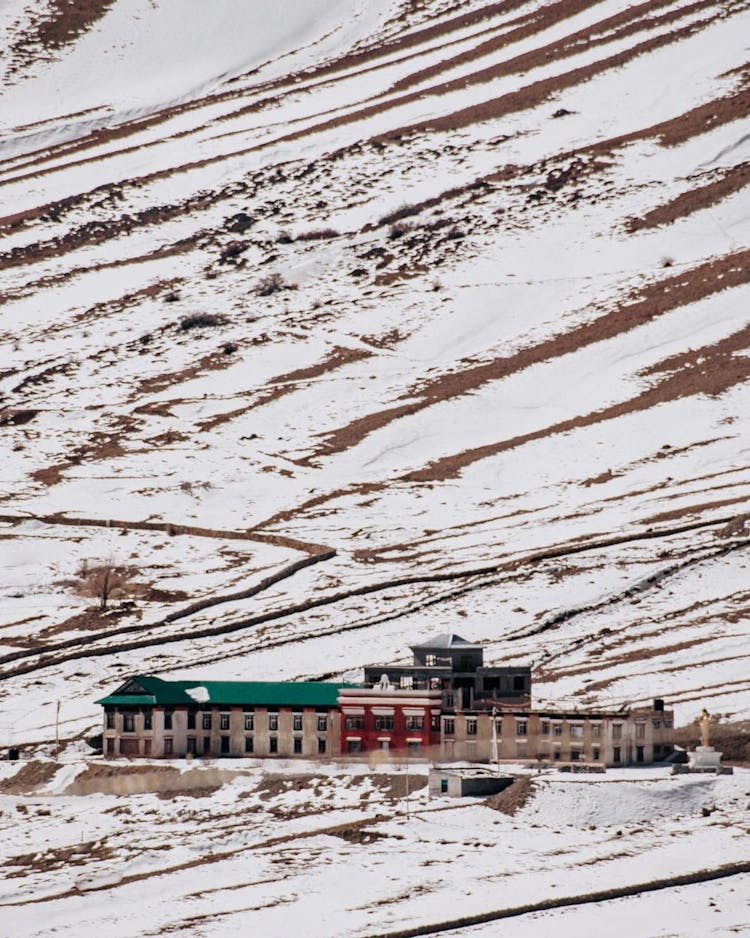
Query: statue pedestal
<point x="704" y="759"/>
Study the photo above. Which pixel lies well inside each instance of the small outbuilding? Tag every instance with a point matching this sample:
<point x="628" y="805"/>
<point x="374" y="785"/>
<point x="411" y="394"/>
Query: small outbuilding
<point x="458" y="782"/>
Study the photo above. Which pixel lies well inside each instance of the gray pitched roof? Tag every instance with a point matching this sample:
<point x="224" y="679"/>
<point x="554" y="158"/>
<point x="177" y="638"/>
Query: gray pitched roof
<point x="446" y="640"/>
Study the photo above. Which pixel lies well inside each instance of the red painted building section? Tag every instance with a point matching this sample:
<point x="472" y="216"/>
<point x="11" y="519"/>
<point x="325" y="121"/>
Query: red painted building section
<point x="388" y="718"/>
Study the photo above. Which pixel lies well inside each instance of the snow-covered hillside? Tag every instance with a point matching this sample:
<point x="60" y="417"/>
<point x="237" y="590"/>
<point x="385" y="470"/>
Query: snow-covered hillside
<point x="367" y="320"/>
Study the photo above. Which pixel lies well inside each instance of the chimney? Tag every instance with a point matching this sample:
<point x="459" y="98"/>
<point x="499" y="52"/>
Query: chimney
<point x="658" y="703"/>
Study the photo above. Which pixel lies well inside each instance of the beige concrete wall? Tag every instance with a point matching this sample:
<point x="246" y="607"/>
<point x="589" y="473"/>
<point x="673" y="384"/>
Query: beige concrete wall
<point x="208" y="742"/>
<point x="593" y="740"/>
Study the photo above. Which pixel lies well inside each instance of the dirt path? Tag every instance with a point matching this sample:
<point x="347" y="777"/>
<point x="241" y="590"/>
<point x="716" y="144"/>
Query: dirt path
<point x="86" y="646"/>
<point x="603" y="895"/>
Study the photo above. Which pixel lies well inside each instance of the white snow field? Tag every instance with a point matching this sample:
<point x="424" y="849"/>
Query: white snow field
<point x="435" y="313"/>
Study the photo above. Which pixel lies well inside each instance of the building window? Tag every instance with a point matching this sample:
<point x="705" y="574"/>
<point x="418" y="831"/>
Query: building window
<point x="110" y="719"/>
<point x="522" y="728"/>
<point x="110" y="747"/>
<point x="557" y="729"/>
<point x="435" y="723"/>
<point x="321" y="746"/>
<point x="355" y="723"/>
<point x="595" y="753"/>
<point x="430" y="661"/>
<point x="248" y="744"/>
<point x="415" y="723"/>
<point x="223" y="721"/>
<point x="667" y="723"/>
<point x="471" y="726"/>
<point x="250" y="721"/>
<point x="498" y="726"/>
<point x="414" y="745"/>
<point x="407" y="681"/>
<point x="168" y="746"/>
<point x="616" y="754"/>
<point x="322" y="722"/>
<point x="128" y="723"/>
<point x="298" y="745"/>
<point x="640" y="730"/>
<point x="639" y="754"/>
<point x="207" y="721"/>
<point x="383" y="723"/>
<point x="449" y="726"/>
<point x="273" y="744"/>
<point x="191" y="720"/>
<point x="557" y="755"/>
<point x="191" y="745"/>
<point x="521" y="750"/>
<point x="273" y="722"/>
<point x="297" y="722"/>
<point x="576" y="731"/>
<point x="519" y="682"/>
<point x="596" y="730"/>
<point x="449" y="700"/>
<point x="225" y="745"/>
<point x="148" y="719"/>
<point x="656" y="724"/>
<point x="206" y="745"/>
<point x="617" y="732"/>
<point x="545" y="727"/>
<point x="575" y="755"/>
<point x="354" y="745"/>
<point x="167" y="719"/>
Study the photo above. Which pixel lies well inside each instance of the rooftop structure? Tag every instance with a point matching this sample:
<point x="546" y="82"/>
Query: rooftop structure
<point x="455" y="666"/>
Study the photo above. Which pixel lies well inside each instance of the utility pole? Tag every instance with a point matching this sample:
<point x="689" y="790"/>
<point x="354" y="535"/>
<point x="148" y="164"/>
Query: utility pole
<point x="407" y="781"/>
<point x="495" y="755"/>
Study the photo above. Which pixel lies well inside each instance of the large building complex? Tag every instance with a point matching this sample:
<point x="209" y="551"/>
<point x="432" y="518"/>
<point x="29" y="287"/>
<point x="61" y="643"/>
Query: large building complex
<point x="445" y="705"/>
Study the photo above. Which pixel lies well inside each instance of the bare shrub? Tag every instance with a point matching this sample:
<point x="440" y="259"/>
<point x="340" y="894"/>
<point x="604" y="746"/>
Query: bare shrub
<point x="667" y="261"/>
<point x="318" y="234"/>
<point x="399" y="229"/>
<point x="104" y="582"/>
<point x="273" y="283"/>
<point x="232" y="251"/>
<point x="285" y="237"/>
<point x="202" y="321"/>
<point x="404" y="211"/>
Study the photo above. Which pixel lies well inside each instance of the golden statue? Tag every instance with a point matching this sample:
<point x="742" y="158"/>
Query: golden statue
<point x="704" y="728"/>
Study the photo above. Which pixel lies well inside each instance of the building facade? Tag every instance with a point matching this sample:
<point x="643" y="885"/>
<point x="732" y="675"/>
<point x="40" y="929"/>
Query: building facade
<point x="387" y="718"/>
<point x="456" y="667"/>
<point x="445" y="706"/>
<point x="150" y="717"/>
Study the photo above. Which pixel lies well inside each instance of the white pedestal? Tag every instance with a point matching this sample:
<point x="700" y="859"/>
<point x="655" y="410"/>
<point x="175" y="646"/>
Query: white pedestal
<point x="705" y="758"/>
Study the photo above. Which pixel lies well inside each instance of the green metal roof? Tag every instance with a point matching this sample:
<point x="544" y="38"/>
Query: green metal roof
<point x="142" y="689"/>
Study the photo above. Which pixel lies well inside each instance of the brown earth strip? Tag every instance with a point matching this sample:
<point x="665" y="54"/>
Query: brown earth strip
<point x="64" y="22"/>
<point x="287" y="383"/>
<point x="85" y="647"/>
<point x="696" y="198"/>
<point x="730" y="107"/>
<point x="719" y="370"/>
<point x="699" y="509"/>
<point x="525" y="98"/>
<point x="562" y="902"/>
<point x="348" y="61"/>
<point x="98" y="232"/>
<point x="609" y="30"/>
<point x="648" y="303"/>
<point x="206" y="859"/>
